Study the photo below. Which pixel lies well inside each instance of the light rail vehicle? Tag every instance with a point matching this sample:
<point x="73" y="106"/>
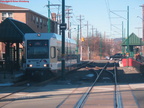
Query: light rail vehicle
<point x="42" y="54"/>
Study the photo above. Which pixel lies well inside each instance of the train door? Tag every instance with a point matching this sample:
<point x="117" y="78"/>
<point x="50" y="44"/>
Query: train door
<point x="53" y="54"/>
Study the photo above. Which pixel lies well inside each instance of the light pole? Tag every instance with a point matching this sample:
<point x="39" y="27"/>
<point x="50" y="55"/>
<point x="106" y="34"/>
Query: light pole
<point x="142" y="30"/>
<point x="123" y="49"/>
<point x="142" y="21"/>
<point x="142" y="27"/>
<point x="138" y="28"/>
<point x="63" y="28"/>
<point x="127" y="43"/>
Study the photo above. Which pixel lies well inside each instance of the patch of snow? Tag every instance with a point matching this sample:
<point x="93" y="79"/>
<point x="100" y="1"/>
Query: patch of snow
<point x="6" y="84"/>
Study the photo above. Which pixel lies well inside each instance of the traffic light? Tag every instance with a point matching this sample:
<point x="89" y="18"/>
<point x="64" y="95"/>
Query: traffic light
<point x="82" y="39"/>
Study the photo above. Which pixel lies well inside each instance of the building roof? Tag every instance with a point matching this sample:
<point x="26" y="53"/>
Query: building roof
<point x="10" y="7"/>
<point x="13" y="31"/>
<point x="133" y="40"/>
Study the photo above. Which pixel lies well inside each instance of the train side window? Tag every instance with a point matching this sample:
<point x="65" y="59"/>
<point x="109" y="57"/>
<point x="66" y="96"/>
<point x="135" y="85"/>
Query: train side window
<point x="53" y="52"/>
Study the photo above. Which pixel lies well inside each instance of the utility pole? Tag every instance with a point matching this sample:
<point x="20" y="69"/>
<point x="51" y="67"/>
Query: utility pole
<point x="88" y="41"/>
<point x="49" y="29"/>
<point x="78" y="40"/>
<point x="80" y="20"/>
<point x="68" y="17"/>
<point x="100" y="47"/>
<point x="93" y="41"/>
<point x="93" y="31"/>
<point x="87" y="25"/>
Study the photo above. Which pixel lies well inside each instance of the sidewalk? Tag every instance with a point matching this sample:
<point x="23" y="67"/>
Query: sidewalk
<point x="9" y="78"/>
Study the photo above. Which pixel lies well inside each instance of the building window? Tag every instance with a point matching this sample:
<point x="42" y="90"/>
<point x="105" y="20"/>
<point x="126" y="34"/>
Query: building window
<point x="7" y="15"/>
<point x="37" y="22"/>
<point x="41" y="22"/>
<point x="45" y="23"/>
<point x="31" y="17"/>
<point x="34" y="19"/>
<point x="53" y="52"/>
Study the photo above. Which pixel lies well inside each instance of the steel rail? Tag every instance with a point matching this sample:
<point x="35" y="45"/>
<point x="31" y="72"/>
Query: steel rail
<point x="37" y="84"/>
<point x="118" y="99"/>
<point x="81" y="101"/>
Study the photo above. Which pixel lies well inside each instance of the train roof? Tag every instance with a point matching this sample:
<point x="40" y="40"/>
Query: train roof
<point x="47" y="36"/>
<point x="59" y="37"/>
<point x="39" y="35"/>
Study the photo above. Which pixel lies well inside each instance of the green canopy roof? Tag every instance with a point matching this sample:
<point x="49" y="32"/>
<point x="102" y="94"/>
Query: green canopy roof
<point x="133" y="40"/>
<point x="13" y="31"/>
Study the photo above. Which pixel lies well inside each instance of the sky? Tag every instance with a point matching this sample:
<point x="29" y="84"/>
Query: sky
<point x="106" y="16"/>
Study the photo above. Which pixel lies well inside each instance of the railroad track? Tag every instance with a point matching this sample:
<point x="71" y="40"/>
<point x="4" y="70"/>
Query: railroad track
<point x="103" y="91"/>
<point x="85" y="95"/>
<point x="27" y="84"/>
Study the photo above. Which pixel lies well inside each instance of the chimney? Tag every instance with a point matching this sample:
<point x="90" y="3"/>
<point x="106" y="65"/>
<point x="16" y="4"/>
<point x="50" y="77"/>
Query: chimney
<point x="53" y="15"/>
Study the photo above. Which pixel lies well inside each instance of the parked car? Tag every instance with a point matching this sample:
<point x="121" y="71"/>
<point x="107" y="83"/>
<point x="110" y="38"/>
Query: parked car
<point x="117" y="56"/>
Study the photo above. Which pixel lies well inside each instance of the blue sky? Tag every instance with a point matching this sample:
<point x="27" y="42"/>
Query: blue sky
<point x="96" y="12"/>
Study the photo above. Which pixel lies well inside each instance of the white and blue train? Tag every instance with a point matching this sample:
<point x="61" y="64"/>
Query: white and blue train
<point x="42" y="53"/>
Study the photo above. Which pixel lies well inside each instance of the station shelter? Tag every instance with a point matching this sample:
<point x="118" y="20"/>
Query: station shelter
<point x="11" y="36"/>
<point x="132" y="45"/>
<point x="132" y="49"/>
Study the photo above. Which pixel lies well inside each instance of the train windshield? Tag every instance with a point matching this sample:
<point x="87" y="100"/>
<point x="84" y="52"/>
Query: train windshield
<point x="37" y="49"/>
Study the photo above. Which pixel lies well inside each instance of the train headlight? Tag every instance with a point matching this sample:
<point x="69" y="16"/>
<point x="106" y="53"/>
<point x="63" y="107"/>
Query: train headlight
<point x="29" y="65"/>
<point x="45" y="65"/>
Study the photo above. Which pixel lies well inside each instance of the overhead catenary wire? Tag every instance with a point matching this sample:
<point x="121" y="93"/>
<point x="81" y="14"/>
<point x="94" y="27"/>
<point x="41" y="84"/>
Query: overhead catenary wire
<point x="108" y="10"/>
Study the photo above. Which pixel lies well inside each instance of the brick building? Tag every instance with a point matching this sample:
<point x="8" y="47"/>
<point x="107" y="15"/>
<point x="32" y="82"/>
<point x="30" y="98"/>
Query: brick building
<point x="143" y="22"/>
<point x="34" y="20"/>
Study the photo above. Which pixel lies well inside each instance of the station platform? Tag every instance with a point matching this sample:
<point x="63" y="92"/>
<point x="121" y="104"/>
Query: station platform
<point x="130" y="62"/>
<point x="8" y="78"/>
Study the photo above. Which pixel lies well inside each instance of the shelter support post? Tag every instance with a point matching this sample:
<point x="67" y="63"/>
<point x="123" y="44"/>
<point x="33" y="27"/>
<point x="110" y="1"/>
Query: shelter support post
<point x="17" y="56"/>
<point x="7" y="57"/>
